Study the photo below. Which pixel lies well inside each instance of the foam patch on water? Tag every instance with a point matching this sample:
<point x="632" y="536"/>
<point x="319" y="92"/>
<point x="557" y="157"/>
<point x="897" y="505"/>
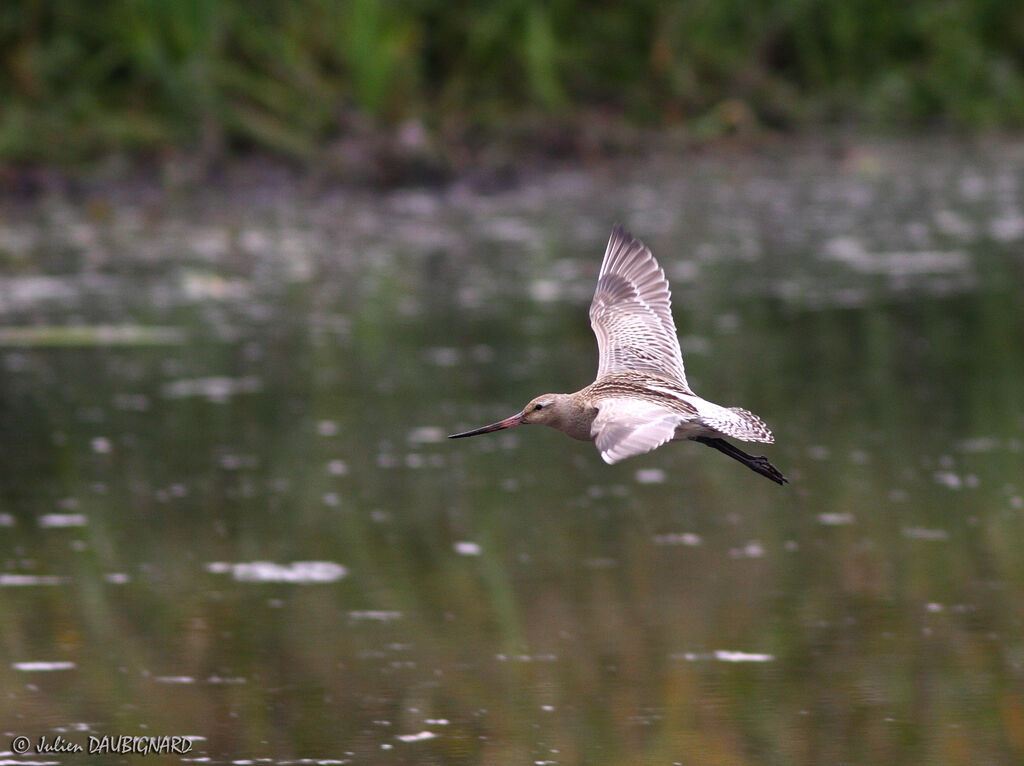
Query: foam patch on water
<point x="426" y="435"/>
<point x="375" y="614"/>
<point x="50" y="520"/>
<point x="677" y="538"/>
<point x="42" y="667"/>
<point x="299" y="572"/>
<point x="16" y="580"/>
<point x="752" y="550"/>
<point x="725" y="655"/>
<point x="337" y="468"/>
<point x="418" y="737"/>
<point x="835" y="519"/>
<point x="854" y="254"/>
<point x="526" y="657"/>
<point x="650" y="476"/>
<point x="216" y="389"/>
<point x="920" y="533"/>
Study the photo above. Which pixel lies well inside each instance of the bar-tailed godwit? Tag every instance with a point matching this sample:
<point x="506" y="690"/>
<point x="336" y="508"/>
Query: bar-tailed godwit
<point x="640" y="399"/>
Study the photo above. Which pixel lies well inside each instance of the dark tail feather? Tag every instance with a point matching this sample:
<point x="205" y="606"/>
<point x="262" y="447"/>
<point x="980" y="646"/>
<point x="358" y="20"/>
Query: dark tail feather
<point x="758" y="463"/>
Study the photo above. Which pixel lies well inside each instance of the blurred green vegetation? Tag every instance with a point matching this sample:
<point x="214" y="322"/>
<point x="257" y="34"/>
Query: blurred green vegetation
<point x="80" y="80"/>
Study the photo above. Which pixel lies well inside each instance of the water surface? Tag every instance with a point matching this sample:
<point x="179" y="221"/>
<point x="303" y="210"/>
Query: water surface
<point x="228" y="511"/>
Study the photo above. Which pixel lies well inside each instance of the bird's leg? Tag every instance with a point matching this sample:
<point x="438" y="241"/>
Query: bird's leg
<point x="758" y="463"/>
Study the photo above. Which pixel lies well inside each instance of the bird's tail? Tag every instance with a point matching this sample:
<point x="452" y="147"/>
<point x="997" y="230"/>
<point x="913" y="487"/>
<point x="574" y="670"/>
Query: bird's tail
<point x="740" y="424"/>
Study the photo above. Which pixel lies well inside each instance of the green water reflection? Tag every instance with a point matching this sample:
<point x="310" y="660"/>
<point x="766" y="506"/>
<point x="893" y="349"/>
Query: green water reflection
<point x="511" y="599"/>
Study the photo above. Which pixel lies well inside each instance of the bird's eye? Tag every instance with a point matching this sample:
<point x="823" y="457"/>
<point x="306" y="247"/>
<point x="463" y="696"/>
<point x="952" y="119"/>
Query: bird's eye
<point x="538" y="406"/>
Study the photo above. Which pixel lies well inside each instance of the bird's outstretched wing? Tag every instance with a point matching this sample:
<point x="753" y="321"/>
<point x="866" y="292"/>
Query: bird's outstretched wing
<point x="629" y="426"/>
<point x="632" y="312"/>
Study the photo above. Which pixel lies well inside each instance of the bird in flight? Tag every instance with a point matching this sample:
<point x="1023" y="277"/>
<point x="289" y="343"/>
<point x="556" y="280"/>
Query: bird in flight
<point x="640" y="398"/>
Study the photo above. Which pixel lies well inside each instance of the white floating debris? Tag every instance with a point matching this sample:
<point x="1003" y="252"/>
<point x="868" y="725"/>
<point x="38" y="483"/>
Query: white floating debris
<point x="436" y="721"/>
<point x="216" y="389"/>
<point x="844" y="248"/>
<point x="101" y="445"/>
<point x="467" y="548"/>
<point x="175" y="680"/>
<point x="426" y="435"/>
<point x="337" y="468"/>
<point x="854" y="254"/>
<point x="724" y="655"/>
<point x="919" y="533"/>
<point x="444" y="357"/>
<point x="63" y="520"/>
<point x="232" y="462"/>
<point x="418" y="737"/>
<point x="678" y="538"/>
<point x="117" y="578"/>
<point x="650" y="476"/>
<point x="1007" y="228"/>
<point x="6" y="520"/>
<point x="695" y="344"/>
<point x="200" y="286"/>
<point x="372" y="614"/>
<point x="8" y="579"/>
<point x="545" y="290"/>
<point x="327" y="428"/>
<point x="951" y="222"/>
<point x="979" y="444"/>
<point x="752" y="550"/>
<point x="859" y="456"/>
<point x="835" y="519"/>
<point x="948" y="479"/>
<point x="300" y="572"/>
<point x="39" y="667"/>
<point x="933" y="607"/>
<point x="511" y="230"/>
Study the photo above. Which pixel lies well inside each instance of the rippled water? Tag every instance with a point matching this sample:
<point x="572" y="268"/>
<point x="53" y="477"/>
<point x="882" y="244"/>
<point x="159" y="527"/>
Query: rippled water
<point x="229" y="514"/>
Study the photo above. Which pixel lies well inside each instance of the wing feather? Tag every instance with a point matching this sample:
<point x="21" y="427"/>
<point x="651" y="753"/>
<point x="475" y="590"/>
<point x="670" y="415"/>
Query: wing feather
<point x="632" y="312"/>
<point x="626" y="427"/>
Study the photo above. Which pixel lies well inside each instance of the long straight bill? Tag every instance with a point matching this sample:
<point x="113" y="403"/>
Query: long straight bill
<point x="515" y="420"/>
